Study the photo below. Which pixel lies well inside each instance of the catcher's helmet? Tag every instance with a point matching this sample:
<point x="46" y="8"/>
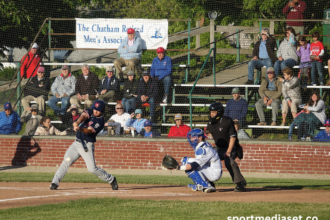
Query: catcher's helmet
<point x="99" y="105"/>
<point x="197" y="132"/>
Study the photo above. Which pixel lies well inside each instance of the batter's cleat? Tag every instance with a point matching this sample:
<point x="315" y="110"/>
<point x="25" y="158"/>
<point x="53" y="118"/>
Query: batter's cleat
<point x="114" y="184"/>
<point x="239" y="188"/>
<point x="209" y="190"/>
<point x="193" y="187"/>
<point x="53" y="186"/>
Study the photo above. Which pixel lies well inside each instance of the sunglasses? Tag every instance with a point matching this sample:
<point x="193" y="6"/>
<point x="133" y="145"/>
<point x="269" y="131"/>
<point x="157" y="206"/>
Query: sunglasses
<point x="263" y="34"/>
<point x="41" y="72"/>
<point x="119" y="108"/>
<point x="34" y="110"/>
<point x="271" y="73"/>
<point x="7" y="109"/>
<point x="109" y="71"/>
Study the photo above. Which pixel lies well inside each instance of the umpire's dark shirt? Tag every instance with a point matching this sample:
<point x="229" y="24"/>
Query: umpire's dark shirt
<point x="222" y="131"/>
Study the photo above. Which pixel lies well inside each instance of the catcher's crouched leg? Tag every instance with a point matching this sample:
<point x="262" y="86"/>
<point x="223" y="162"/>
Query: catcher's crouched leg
<point x="201" y="184"/>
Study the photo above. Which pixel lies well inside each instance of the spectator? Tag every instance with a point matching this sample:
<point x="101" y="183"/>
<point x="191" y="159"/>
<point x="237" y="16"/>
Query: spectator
<point x="30" y="64"/>
<point x="147" y="93"/>
<point x="317" y="51"/>
<point x="148" y="132"/>
<point x="73" y="116"/>
<point x="32" y="119"/>
<point x="328" y="83"/>
<point x="241" y="134"/>
<point x="130" y="50"/>
<point x="263" y="54"/>
<point x="136" y="124"/>
<point x="294" y="10"/>
<point x="287" y="56"/>
<point x="9" y="121"/>
<point x="161" y="68"/>
<point x="118" y="120"/>
<point x="324" y="135"/>
<point x="303" y="51"/>
<point x="179" y="129"/>
<point x="37" y="90"/>
<point x="130" y="92"/>
<point x="86" y="88"/>
<point x="109" y="86"/>
<point x="293" y="124"/>
<point x="46" y="128"/>
<point x="237" y="107"/>
<point x="270" y="92"/>
<point x="291" y="94"/>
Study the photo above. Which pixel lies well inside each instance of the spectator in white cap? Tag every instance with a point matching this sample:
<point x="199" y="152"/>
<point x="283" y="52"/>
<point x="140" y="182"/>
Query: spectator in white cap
<point x="62" y="88"/>
<point x="161" y="69"/>
<point x="236" y="108"/>
<point x="30" y="63"/>
<point x="130" y="92"/>
<point x="179" y="129"/>
<point x="109" y="86"/>
<point x="136" y="124"/>
<point x="32" y="119"/>
<point x="37" y="90"/>
<point x="130" y="50"/>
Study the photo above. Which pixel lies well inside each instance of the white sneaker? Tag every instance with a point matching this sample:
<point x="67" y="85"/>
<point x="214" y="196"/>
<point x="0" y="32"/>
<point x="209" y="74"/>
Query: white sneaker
<point x="165" y="99"/>
<point x="209" y="190"/>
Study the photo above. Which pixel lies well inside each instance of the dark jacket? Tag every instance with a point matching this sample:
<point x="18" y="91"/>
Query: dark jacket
<point x="113" y="84"/>
<point x="33" y="87"/>
<point x="87" y="86"/>
<point x="130" y="89"/>
<point x="270" y="45"/>
<point x="149" y="89"/>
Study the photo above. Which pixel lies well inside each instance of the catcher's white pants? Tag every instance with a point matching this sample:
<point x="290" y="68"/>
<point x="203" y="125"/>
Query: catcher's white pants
<point x="208" y="171"/>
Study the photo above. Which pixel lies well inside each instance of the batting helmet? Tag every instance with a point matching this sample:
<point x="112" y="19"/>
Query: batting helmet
<point x="99" y="105"/>
<point x="217" y="106"/>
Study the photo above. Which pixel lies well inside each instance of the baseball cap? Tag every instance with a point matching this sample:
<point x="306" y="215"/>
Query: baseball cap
<point x="131" y="73"/>
<point x="138" y="111"/>
<point x="130" y="31"/>
<point x="41" y="69"/>
<point x="270" y="70"/>
<point x="7" y="105"/>
<point x="327" y="122"/>
<point x="110" y="68"/>
<point x="178" y="116"/>
<point x="99" y="105"/>
<point x="235" y="90"/>
<point x="65" y="67"/>
<point x="147" y="123"/>
<point x="35" y="45"/>
<point x="34" y="106"/>
<point x="160" y="50"/>
<point x="72" y="107"/>
<point x="146" y="73"/>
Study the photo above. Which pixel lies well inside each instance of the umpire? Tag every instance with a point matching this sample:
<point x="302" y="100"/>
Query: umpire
<point x="225" y="137"/>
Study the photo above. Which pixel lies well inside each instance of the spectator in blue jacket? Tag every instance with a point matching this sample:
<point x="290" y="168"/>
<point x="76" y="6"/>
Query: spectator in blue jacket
<point x="161" y="68"/>
<point x="10" y="122"/>
<point x="237" y="107"/>
<point x="147" y="92"/>
<point x="136" y="124"/>
<point x="148" y="132"/>
<point x="324" y="135"/>
<point x="109" y="86"/>
<point x="130" y="50"/>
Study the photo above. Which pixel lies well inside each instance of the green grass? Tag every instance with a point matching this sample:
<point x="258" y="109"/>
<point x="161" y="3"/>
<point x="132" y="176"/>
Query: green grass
<point x="168" y="180"/>
<point x="114" y="208"/>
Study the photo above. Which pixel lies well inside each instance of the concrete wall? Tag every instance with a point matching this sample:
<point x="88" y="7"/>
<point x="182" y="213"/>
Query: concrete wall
<point x="305" y="158"/>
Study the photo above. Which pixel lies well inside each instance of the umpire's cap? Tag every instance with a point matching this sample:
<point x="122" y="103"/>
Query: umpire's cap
<point x="99" y="105"/>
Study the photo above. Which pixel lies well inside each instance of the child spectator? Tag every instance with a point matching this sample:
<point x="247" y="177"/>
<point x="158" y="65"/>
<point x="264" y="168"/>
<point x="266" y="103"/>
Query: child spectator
<point x="148" y="132"/>
<point x="303" y="51"/>
<point x="317" y="51"/>
<point x="324" y="135"/>
<point x="136" y="124"/>
<point x="46" y="128"/>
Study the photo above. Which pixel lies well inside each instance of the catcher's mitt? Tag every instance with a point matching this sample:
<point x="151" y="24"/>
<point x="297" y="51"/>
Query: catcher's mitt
<point x="169" y="162"/>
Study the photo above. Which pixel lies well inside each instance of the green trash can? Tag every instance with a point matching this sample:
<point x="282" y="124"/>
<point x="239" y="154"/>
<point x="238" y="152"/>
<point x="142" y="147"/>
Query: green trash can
<point x="326" y="27"/>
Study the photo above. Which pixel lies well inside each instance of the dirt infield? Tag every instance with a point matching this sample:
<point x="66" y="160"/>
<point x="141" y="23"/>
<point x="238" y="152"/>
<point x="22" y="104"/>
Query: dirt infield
<point x="18" y="194"/>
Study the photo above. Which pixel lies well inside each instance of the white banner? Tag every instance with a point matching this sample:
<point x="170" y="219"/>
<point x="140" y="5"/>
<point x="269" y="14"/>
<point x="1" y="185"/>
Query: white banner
<point x="108" y="33"/>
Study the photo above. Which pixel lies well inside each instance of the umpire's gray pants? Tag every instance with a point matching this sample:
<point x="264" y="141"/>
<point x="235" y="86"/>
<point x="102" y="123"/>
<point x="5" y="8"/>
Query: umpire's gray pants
<point x="74" y="152"/>
<point x="260" y="105"/>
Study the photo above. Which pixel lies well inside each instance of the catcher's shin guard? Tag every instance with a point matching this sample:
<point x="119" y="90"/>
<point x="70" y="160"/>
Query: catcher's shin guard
<point x="199" y="180"/>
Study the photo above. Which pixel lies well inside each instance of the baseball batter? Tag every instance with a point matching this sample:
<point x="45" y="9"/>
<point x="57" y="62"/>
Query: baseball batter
<point x="92" y="122"/>
<point x="206" y="167"/>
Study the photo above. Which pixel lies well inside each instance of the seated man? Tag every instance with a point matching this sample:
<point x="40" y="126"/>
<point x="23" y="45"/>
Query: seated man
<point x="62" y="88"/>
<point x="37" y="90"/>
<point x="237" y="107"/>
<point x="9" y="121"/>
<point x="32" y="119"/>
<point x="324" y="135"/>
<point x="147" y="92"/>
<point x="270" y="92"/>
<point x="109" y="86"/>
<point x="130" y="50"/>
<point x="179" y="129"/>
<point x="263" y="54"/>
<point x="130" y="92"/>
<point x="86" y="88"/>
<point x="148" y="132"/>
<point x="161" y="68"/>
<point x="119" y="120"/>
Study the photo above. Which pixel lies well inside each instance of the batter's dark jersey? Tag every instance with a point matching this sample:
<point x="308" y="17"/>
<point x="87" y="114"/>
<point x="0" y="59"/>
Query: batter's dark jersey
<point x="222" y="131"/>
<point x="96" y="123"/>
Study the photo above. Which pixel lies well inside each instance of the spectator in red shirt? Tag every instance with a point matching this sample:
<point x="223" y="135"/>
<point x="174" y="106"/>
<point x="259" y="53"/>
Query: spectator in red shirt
<point x="317" y="51"/>
<point x="179" y="130"/>
<point x="30" y="65"/>
<point x="294" y="10"/>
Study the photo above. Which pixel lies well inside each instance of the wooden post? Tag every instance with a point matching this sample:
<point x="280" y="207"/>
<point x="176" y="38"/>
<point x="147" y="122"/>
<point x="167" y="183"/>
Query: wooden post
<point x="255" y="36"/>
<point x="271" y="28"/>
<point x="198" y="36"/>
<point x="211" y="33"/>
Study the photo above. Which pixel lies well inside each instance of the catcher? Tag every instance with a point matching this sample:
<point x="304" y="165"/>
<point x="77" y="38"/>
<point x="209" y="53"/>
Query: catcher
<point x="205" y="168"/>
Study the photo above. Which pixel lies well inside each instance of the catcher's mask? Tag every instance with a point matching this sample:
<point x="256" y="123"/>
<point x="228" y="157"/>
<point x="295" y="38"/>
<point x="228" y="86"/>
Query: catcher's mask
<point x="197" y="132"/>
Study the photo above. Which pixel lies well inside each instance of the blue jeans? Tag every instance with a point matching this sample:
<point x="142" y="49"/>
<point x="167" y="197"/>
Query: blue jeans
<point x="318" y="65"/>
<point x="167" y="84"/>
<point x="123" y="101"/>
<point x="283" y="64"/>
<point x="291" y="129"/>
<point x="151" y="102"/>
<point x="52" y="103"/>
<point x="130" y="104"/>
<point x="258" y="64"/>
